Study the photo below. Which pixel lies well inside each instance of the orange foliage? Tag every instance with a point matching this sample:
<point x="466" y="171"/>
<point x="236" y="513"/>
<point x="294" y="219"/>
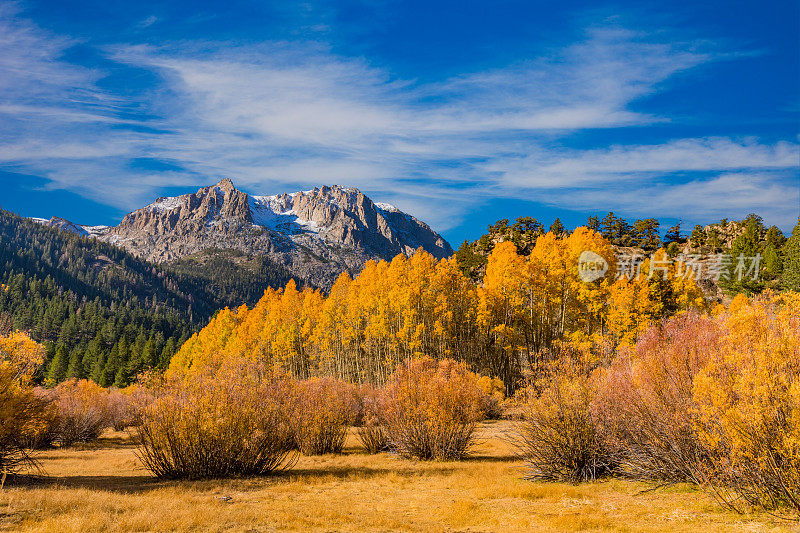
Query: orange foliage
<point x="22" y="413"/>
<point x="323" y="410"/>
<point x="234" y="421"/>
<point x="429" y="409"/>
<point x="748" y="404"/>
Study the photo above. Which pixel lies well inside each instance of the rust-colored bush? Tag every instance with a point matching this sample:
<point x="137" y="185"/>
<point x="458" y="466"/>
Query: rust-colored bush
<point x="218" y="423"/>
<point x="323" y="410"/>
<point x="82" y="411"/>
<point x="430" y="408"/>
<point x="125" y="405"/>
<point x="372" y="434"/>
<point x="647" y="400"/>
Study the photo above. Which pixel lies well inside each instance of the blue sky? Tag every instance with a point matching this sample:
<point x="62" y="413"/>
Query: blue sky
<point x="460" y="113"/>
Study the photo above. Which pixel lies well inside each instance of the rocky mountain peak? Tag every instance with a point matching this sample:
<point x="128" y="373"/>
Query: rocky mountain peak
<point x="225" y="185"/>
<point x="316" y="234"/>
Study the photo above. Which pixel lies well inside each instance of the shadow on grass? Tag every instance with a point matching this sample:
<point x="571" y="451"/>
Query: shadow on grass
<point x="478" y="458"/>
<point x="120" y="484"/>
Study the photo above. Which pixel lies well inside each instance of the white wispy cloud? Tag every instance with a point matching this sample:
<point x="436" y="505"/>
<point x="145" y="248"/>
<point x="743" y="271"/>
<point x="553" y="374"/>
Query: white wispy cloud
<point x="294" y="114"/>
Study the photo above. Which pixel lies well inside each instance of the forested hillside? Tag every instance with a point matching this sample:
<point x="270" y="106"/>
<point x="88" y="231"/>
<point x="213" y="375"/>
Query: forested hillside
<point x="104" y="314"/>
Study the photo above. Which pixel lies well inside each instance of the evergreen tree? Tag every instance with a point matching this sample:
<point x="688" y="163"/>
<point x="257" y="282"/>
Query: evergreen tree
<point x="557" y="228"/>
<point x="75" y="368"/>
<point x="645" y="234"/>
<point x="57" y="370"/>
<point x="111" y="367"/>
<point x="616" y="230"/>
<point x="698" y="236"/>
<point x="674" y="235"/>
<point x="745" y="269"/>
<point x="771" y="260"/>
<point x="775" y="237"/>
<point x="790" y="279"/>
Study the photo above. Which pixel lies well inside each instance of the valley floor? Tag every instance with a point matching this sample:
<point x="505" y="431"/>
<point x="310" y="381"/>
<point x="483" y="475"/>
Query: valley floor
<point x="102" y="487"/>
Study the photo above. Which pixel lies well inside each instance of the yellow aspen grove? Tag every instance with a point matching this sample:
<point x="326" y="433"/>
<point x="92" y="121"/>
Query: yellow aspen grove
<point x="651" y="294"/>
<point x="525" y="311"/>
<point x="207" y="346"/>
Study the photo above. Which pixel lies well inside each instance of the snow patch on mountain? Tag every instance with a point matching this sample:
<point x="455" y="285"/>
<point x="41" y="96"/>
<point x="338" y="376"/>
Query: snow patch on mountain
<point x="386" y="207"/>
<point x="167" y="203"/>
<point x="270" y="212"/>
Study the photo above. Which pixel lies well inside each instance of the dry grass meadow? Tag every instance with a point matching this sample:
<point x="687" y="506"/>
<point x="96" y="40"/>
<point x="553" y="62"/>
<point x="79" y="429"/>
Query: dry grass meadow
<point x="102" y="487"/>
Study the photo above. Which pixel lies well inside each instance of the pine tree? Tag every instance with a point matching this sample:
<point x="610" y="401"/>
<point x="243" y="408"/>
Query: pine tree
<point x="790" y="280"/>
<point x="698" y="236"/>
<point x="771" y="260"/>
<point x="111" y="367"/>
<point x="645" y="234"/>
<point x="98" y="369"/>
<point x="75" y="368"/>
<point x="744" y="275"/>
<point x="674" y="235"/>
<point x="557" y="228"/>
<point x="57" y="370"/>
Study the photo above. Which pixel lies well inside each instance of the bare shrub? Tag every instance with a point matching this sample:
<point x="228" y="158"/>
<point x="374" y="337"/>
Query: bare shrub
<point x="647" y="400"/>
<point x="217" y="423"/>
<point x="324" y="409"/>
<point x="372" y="434"/>
<point x="81" y="411"/>
<point x="125" y="405"/>
<point x="429" y="409"/>
<point x="561" y="436"/>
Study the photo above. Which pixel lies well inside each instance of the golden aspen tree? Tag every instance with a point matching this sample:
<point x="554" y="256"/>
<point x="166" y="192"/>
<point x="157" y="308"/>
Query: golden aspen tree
<point x="501" y="301"/>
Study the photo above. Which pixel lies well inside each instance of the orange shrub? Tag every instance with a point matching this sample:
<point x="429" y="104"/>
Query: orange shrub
<point x="46" y="433"/>
<point x="22" y="412"/>
<point x="748" y="405"/>
<point x="218" y="423"/>
<point x="324" y="408"/>
<point x="493" y="397"/>
<point x="429" y="409"/>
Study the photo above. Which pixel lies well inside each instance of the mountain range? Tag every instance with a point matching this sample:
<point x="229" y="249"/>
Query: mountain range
<point x="316" y="234"/>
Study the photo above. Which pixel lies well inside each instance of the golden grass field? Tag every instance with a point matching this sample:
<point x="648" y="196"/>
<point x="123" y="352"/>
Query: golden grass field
<point x="102" y="487"/>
